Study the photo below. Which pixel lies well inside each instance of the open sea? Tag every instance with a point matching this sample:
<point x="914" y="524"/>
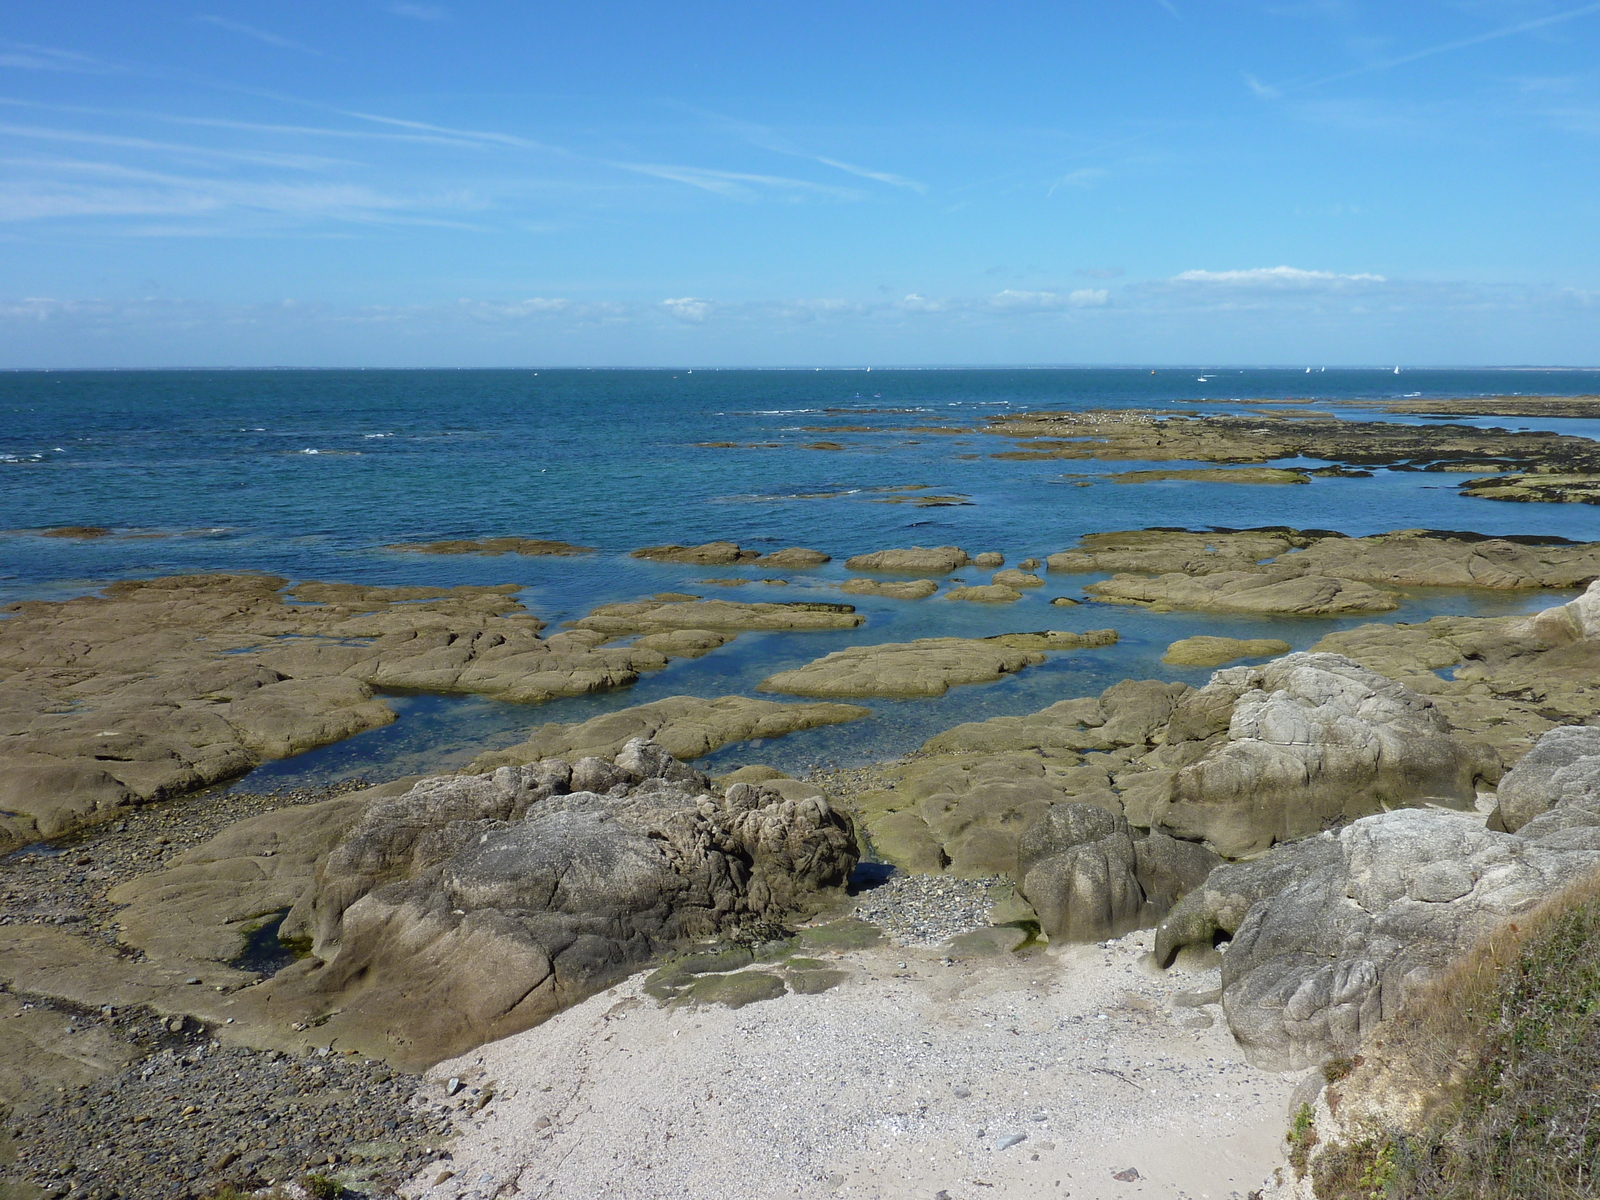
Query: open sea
<point x="308" y="474"/>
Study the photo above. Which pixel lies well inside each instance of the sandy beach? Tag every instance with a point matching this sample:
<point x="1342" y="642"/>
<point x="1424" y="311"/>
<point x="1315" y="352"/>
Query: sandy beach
<point x="1072" y="1073"/>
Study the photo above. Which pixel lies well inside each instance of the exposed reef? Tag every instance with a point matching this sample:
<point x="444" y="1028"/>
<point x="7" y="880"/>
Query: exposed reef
<point x="928" y="666"/>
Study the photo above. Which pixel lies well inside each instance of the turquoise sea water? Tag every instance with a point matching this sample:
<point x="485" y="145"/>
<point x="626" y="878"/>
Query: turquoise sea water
<point x="308" y="474"/>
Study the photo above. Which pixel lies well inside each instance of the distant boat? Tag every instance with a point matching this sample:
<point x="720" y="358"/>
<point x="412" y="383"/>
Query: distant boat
<point x="1397" y="370"/>
<point x="1308" y="370"/>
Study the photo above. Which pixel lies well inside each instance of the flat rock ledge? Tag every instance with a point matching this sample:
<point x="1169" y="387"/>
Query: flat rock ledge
<point x="928" y="666"/>
<point x="1314" y="572"/>
<point x="686" y="726"/>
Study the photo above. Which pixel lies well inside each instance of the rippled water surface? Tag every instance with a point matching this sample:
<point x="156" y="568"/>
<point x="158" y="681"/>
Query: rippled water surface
<point x="309" y="474"/>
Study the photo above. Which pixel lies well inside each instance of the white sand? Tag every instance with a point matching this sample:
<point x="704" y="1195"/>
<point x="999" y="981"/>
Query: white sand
<point x="854" y="1093"/>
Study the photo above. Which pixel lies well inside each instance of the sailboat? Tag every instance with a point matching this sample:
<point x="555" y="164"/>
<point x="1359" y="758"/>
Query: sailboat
<point x="1397" y="370"/>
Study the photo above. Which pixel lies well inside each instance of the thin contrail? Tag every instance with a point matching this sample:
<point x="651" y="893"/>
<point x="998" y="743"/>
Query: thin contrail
<point x="1445" y="47"/>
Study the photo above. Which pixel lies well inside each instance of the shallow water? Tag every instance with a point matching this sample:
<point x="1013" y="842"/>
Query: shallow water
<point x="208" y="471"/>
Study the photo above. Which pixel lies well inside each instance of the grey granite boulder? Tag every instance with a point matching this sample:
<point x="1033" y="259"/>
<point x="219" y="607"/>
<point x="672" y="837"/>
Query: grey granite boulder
<point x="1564" y="765"/>
<point x="1332" y="934"/>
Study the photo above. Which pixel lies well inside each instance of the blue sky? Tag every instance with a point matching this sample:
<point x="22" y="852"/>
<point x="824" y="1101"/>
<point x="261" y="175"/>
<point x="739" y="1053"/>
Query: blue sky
<point x="397" y="183"/>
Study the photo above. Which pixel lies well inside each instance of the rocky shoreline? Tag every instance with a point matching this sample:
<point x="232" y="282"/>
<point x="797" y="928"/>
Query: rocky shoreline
<point x="250" y="987"/>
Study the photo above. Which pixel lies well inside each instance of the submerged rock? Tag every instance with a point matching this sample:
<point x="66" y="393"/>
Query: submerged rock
<point x="493" y="547"/>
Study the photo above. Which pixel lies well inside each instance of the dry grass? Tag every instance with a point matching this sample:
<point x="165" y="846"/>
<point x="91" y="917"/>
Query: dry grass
<point x="1506" y="1047"/>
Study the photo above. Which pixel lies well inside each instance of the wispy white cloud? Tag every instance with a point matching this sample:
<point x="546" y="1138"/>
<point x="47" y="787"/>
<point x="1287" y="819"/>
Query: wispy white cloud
<point x="260" y="35"/>
<point x="1083" y="177"/>
<point x="1265" y="91"/>
<point x="83" y="189"/>
<point x="1277" y="277"/>
<point x="304" y="162"/>
<point x="243" y="126"/>
<point x="1017" y="301"/>
<point x="27" y="57"/>
<point x="736" y="185"/>
<point x="1441" y="48"/>
<point x="881" y="176"/>
<point x="687" y="308"/>
<point x="1171" y="8"/>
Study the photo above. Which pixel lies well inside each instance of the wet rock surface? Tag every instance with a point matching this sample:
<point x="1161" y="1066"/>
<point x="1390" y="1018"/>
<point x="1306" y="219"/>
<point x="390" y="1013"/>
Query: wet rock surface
<point x="1206" y="651"/>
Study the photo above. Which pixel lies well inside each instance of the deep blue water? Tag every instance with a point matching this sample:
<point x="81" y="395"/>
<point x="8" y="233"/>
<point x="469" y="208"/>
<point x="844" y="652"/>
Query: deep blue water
<point x="203" y="471"/>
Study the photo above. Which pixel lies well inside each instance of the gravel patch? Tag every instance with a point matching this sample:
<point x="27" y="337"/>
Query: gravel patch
<point x="927" y="910"/>
<point x="188" y="1116"/>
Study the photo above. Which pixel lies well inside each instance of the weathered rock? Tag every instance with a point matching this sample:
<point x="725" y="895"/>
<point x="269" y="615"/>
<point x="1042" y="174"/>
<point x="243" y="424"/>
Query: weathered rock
<point x="1246" y="591"/>
<point x="1207" y="651"/>
<point x="474" y="907"/>
<point x="1312" y="739"/>
<point x="903" y="589"/>
<point x="160" y="686"/>
<point x="711" y="554"/>
<point x="926" y="667"/>
<point x="686" y="726"/>
<point x="794" y="556"/>
<point x="918" y="560"/>
<point x="493" y="547"/>
<point x="989" y="559"/>
<point x="1014" y="578"/>
<point x="986" y="593"/>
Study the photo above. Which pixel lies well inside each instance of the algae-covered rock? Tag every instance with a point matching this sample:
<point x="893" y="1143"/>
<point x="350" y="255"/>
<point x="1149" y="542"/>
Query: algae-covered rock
<point x="1207" y="651"/>
<point x="905" y="589"/>
<point x="926" y="667"/>
<point x="711" y="554"/>
<point x="918" y="560"/>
